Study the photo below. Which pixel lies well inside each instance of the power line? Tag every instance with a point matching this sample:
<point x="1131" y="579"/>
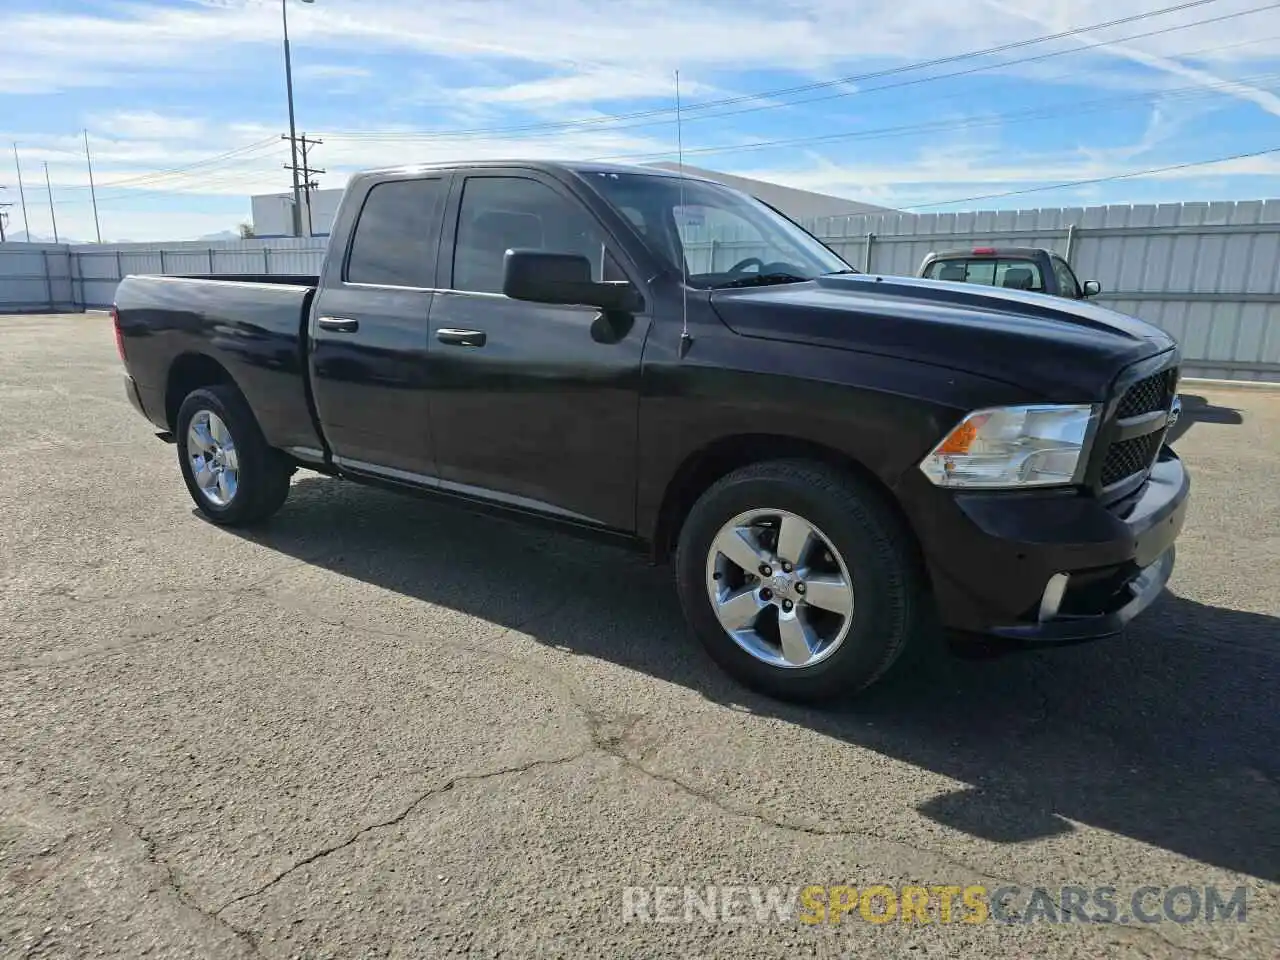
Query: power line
<point x="803" y="88"/>
<point x="257" y="145"/>
<point x="882" y="133"/>
<point x="136" y="186"/>
<point x="947" y="76"/>
<point x="1004" y="63"/>
<point x="1092" y="180"/>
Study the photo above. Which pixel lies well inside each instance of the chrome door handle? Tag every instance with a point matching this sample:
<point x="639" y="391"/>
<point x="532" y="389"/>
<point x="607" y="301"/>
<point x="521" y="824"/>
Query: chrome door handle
<point x="338" y="324"/>
<point x="461" y="338"/>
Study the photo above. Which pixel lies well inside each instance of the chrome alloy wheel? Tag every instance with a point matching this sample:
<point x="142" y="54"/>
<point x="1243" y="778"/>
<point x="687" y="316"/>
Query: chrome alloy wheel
<point x="779" y="588"/>
<point x="211" y="451"/>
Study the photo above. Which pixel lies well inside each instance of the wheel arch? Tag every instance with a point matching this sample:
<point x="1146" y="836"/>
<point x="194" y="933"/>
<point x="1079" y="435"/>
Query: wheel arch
<point x="705" y="466"/>
<point x="188" y="372"/>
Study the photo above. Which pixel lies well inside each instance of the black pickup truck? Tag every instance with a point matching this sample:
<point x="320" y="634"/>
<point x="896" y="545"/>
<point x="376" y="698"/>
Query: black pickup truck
<point x="834" y="461"/>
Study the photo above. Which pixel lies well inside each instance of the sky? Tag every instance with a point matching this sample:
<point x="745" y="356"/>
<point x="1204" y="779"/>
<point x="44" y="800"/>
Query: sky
<point x="184" y="104"/>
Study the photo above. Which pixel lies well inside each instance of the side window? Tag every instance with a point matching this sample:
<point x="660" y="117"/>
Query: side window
<point x="396" y="234"/>
<point x="1019" y="275"/>
<point x="1066" y="278"/>
<point x="498" y="214"/>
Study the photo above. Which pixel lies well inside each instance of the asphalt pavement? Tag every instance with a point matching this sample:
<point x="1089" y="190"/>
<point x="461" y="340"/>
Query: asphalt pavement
<point x="384" y="727"/>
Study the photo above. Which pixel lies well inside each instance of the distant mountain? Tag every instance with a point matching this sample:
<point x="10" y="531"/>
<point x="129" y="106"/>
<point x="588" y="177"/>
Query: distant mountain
<point x="221" y="235"/>
<point x="20" y="236"/>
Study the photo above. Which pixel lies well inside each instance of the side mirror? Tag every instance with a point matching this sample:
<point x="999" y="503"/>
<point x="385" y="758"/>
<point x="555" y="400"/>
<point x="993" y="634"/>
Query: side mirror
<point x="541" y="277"/>
<point x="1091" y="288"/>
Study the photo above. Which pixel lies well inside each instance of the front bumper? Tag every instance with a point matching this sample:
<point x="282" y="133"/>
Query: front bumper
<point x="992" y="556"/>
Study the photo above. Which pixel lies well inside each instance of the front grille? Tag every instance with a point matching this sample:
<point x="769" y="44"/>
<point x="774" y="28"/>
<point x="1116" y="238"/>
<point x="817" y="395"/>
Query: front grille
<point x="1130" y="456"/>
<point x="1148" y="395"/>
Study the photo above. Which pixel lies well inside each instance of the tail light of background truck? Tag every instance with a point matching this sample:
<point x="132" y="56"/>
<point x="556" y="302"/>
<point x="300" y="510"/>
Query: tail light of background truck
<point x="115" y="323"/>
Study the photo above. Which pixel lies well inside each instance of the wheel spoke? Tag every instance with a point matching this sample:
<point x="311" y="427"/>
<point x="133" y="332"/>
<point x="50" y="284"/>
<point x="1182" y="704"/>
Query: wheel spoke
<point x="225" y="488"/>
<point x="794" y="538"/>
<point x="230" y="458"/>
<point x="740" y="546"/>
<point x="829" y="592"/>
<point x="217" y="429"/>
<point x="798" y="639"/>
<point x="199" y="435"/>
<point x="739" y="610"/>
<point x="203" y="475"/>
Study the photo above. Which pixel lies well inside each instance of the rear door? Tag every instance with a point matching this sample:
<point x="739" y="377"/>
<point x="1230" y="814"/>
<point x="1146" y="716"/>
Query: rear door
<point x="369" y="328"/>
<point x="534" y="405"/>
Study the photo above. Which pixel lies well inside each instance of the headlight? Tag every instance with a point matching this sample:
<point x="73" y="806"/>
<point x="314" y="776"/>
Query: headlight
<point x="1032" y="446"/>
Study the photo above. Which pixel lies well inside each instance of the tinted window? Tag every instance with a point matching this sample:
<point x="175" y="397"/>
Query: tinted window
<point x="1014" y="274"/>
<point x="1066" y="279"/>
<point x="504" y="213"/>
<point x="395" y="238"/>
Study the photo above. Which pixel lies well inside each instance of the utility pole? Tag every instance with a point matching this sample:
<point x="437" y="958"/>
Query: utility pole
<point x="306" y="171"/>
<point x="22" y="194"/>
<point x="293" y="131"/>
<point x="52" y="216"/>
<point x="92" y="192"/>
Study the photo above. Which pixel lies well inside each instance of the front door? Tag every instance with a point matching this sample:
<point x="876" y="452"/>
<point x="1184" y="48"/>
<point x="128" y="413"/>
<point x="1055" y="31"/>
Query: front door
<point x="369" y="330"/>
<point x="534" y="405"/>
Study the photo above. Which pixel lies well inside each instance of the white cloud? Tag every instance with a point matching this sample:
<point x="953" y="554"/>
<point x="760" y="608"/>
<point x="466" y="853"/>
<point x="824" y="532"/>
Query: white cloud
<point x="696" y="36"/>
<point x="146" y="125"/>
<point x="483" y="62"/>
<point x="330" y="71"/>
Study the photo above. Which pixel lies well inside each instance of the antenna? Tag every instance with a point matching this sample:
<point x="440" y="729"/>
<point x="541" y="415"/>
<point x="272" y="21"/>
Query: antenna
<point x="686" y="341"/>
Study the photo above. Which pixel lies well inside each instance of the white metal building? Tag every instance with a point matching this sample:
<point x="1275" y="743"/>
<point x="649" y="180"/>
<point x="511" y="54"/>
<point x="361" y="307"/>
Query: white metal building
<point x="272" y="212"/>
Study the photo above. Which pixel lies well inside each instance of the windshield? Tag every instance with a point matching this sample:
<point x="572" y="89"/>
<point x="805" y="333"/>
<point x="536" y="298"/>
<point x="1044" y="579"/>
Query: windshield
<point x="724" y="238"/>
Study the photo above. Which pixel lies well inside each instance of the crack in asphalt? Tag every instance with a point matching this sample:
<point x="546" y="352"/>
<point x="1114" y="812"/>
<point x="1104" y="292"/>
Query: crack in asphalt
<point x="610" y="734"/>
<point x="613" y="734"/>
<point x="107" y="650"/>
<point x="151" y="856"/>
<point x="409" y="808"/>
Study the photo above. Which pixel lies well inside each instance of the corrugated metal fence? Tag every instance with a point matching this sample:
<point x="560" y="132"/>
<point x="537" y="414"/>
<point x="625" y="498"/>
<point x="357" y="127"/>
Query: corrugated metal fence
<point x="1209" y="273"/>
<point x="98" y="268"/>
<point x="36" y="276"/>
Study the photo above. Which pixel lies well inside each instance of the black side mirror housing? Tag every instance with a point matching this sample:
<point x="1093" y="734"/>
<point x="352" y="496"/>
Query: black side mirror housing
<point x="564" y="278"/>
<point x="1091" y="288"/>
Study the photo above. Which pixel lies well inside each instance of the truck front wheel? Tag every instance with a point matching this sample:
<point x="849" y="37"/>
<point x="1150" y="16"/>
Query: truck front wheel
<point x="799" y="580"/>
<point x="233" y="476"/>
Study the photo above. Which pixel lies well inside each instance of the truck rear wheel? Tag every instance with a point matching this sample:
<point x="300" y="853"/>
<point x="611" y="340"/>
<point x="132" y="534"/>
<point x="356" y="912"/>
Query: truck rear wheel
<point x="233" y="476"/>
<point x="799" y="580"/>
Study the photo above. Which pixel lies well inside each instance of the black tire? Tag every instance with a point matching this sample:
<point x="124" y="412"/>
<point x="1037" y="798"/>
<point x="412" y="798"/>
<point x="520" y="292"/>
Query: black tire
<point x="890" y="606"/>
<point x="263" y="480"/>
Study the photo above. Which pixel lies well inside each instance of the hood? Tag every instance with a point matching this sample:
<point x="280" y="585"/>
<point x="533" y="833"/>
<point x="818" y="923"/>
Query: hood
<point x="1062" y="349"/>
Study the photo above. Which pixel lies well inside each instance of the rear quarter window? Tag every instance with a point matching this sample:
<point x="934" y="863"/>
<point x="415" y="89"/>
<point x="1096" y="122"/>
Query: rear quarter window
<point x="397" y="233"/>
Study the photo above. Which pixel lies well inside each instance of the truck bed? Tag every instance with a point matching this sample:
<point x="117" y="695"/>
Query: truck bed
<point x="251" y="325"/>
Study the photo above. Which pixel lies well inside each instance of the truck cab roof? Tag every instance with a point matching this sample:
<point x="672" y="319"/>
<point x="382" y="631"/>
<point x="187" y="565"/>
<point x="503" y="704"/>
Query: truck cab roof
<point x="578" y="167"/>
